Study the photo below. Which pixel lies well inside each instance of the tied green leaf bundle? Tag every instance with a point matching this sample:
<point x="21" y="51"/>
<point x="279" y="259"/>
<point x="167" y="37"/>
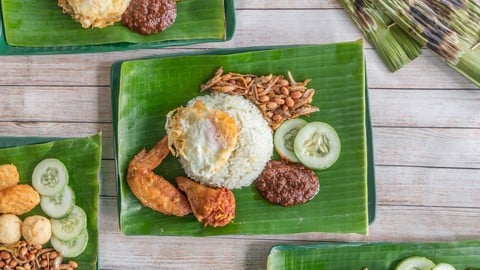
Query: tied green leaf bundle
<point x="451" y="28"/>
<point x="392" y="43"/>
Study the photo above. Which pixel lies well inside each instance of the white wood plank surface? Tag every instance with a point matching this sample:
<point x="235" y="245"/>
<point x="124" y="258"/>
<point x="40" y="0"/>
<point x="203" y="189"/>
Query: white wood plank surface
<point x="426" y="134"/>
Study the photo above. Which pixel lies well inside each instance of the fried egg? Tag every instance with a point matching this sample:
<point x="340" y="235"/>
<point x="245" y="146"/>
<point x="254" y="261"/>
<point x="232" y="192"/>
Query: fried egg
<point x="202" y="136"/>
<point x="94" y="13"/>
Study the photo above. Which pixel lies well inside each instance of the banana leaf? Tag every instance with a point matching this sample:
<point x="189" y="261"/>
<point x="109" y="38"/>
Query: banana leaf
<point x="41" y="27"/>
<point x="82" y="157"/>
<point x="145" y="90"/>
<point x="461" y="254"/>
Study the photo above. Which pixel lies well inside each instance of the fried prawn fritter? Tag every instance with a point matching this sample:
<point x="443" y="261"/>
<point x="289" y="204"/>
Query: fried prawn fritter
<point x="94" y="13"/>
<point x="211" y="206"/>
<point x="18" y="199"/>
<point x="153" y="190"/>
<point x="8" y="176"/>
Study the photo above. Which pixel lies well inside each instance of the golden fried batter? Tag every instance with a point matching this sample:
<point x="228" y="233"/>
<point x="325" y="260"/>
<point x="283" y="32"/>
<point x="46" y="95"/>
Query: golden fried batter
<point x="211" y="206"/>
<point x="8" y="176"/>
<point x="18" y="199"/>
<point x="153" y="190"/>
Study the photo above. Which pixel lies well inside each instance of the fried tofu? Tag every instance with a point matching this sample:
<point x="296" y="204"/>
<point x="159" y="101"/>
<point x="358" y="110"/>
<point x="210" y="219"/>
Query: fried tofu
<point x="8" y="176"/>
<point x="18" y="199"/>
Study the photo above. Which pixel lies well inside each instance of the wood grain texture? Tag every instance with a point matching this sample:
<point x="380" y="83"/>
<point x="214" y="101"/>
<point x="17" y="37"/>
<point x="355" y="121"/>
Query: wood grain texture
<point x="389" y="107"/>
<point x="287" y="4"/>
<point x="417" y="224"/>
<point x="425" y="72"/>
<point x="426" y="129"/>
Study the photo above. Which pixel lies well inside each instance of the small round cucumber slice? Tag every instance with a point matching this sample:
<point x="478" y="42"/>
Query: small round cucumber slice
<point x="71" y="226"/>
<point x="284" y="137"/>
<point x="415" y="263"/>
<point x="50" y="177"/>
<point x="58" y="205"/>
<point x="71" y="248"/>
<point x="444" y="266"/>
<point x="317" y="145"/>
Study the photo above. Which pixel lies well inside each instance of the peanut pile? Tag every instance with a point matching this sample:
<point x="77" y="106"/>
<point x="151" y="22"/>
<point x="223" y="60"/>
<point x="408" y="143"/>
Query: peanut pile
<point x="277" y="98"/>
<point x="25" y="256"/>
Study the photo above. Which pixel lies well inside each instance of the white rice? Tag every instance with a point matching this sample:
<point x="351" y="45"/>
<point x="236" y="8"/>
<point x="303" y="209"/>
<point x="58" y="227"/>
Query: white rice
<point x="254" y="146"/>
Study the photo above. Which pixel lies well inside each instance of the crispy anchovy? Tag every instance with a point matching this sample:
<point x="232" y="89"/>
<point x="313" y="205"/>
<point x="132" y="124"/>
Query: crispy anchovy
<point x="394" y="45"/>
<point x="451" y="28"/>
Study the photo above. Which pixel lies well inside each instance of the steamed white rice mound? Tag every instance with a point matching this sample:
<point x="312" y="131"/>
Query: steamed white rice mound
<point x="254" y="146"/>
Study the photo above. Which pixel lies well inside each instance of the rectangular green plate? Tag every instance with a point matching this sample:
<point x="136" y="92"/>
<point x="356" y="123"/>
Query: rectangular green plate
<point x="322" y="256"/>
<point x="82" y="157"/>
<point x="145" y="90"/>
<point x="66" y="36"/>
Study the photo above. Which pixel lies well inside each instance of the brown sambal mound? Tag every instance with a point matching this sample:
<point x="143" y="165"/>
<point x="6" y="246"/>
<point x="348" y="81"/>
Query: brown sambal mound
<point x="148" y="17"/>
<point x="287" y="183"/>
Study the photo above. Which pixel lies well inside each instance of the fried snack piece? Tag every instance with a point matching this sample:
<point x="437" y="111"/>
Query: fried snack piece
<point x="37" y="229"/>
<point x="8" y="176"/>
<point x="10" y="229"/>
<point x="18" y="199"/>
<point x="153" y="190"/>
<point x="211" y="206"/>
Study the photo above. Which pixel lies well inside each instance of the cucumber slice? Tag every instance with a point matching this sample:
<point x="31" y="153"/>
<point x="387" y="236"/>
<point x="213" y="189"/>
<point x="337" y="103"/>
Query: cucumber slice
<point x="444" y="266"/>
<point x="284" y="137"/>
<point x="415" y="263"/>
<point x="317" y="145"/>
<point x="71" y="248"/>
<point x="58" y="205"/>
<point x="71" y="226"/>
<point x="49" y="177"/>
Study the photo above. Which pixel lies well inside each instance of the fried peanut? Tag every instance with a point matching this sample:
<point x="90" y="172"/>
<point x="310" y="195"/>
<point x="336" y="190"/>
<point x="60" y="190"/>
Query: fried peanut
<point x="269" y="92"/>
<point x="18" y="199"/>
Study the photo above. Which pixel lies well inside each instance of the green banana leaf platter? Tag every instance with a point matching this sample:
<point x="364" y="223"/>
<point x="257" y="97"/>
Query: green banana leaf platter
<point x="372" y="256"/>
<point x="40" y="27"/>
<point x="82" y="157"/>
<point x="145" y="90"/>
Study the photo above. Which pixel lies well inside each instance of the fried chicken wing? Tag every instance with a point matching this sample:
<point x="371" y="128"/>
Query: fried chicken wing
<point x="8" y="176"/>
<point x="18" y="199"/>
<point x="153" y="190"/>
<point x="211" y="206"/>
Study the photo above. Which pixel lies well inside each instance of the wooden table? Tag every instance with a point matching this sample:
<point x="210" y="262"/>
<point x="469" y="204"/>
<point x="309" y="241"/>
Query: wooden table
<point x="426" y="125"/>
